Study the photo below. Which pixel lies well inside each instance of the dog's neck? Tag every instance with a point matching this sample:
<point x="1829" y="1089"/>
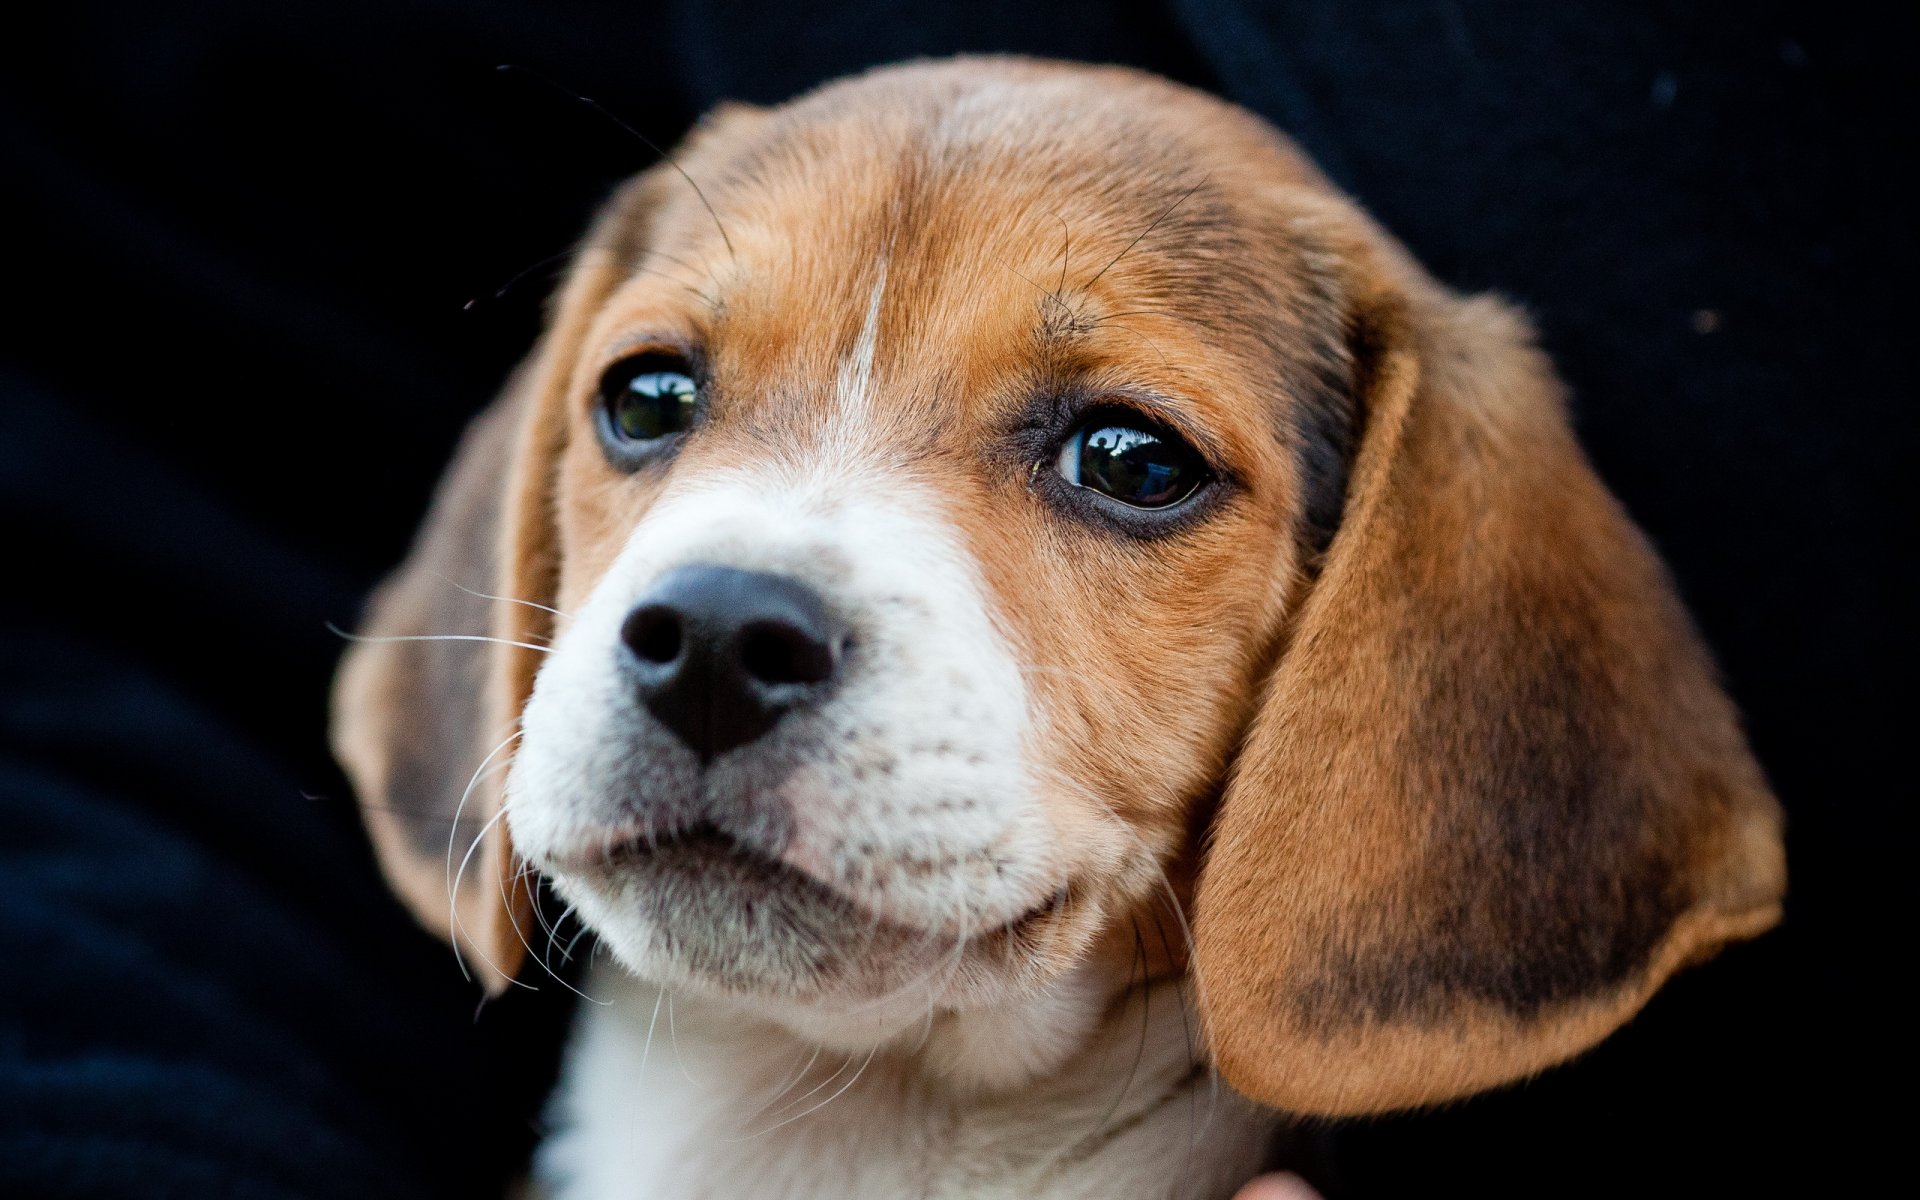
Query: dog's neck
<point x="672" y="1097"/>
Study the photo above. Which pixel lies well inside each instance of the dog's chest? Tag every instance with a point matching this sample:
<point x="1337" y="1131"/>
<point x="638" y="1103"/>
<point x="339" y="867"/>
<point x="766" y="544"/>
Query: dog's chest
<point x="710" y="1109"/>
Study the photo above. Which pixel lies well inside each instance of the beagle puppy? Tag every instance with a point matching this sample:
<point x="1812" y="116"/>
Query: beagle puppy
<point x="1039" y="640"/>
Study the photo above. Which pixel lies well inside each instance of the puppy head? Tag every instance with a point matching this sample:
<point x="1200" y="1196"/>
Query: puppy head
<point x="997" y="486"/>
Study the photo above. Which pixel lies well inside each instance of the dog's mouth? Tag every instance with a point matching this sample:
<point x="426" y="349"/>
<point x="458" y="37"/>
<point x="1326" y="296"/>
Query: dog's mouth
<point x="705" y="856"/>
<point x="702" y="843"/>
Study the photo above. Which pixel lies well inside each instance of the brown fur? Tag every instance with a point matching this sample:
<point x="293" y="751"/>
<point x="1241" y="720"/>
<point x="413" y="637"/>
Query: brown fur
<point x="1481" y="792"/>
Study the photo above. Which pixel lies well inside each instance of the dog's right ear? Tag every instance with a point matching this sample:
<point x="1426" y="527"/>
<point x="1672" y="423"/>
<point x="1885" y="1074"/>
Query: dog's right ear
<point x="1493" y="795"/>
<point x="426" y="705"/>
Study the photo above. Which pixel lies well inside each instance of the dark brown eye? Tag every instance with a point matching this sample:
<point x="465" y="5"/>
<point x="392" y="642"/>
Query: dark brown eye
<point x="646" y="398"/>
<point x="1134" y="463"/>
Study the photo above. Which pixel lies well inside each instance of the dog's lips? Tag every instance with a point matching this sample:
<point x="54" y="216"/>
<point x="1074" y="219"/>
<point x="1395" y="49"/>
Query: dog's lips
<point x="698" y="849"/>
<point x="704" y="841"/>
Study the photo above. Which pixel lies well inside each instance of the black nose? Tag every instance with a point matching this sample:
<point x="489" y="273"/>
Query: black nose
<point x="721" y="654"/>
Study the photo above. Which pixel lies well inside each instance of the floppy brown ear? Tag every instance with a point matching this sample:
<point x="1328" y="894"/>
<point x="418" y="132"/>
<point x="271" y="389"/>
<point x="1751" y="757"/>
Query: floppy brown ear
<point x="426" y="706"/>
<point x="416" y="723"/>
<point x="1493" y="795"/>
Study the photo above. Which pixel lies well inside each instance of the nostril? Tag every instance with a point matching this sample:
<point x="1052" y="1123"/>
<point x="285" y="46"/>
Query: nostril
<point x="653" y="633"/>
<point x="774" y="651"/>
<point x="718" y="655"/>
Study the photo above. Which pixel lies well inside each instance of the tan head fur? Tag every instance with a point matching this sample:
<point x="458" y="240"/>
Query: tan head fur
<point x="1399" y="706"/>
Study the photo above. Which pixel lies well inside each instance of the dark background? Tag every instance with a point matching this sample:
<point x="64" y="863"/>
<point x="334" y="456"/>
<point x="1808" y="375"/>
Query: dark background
<point x="239" y="244"/>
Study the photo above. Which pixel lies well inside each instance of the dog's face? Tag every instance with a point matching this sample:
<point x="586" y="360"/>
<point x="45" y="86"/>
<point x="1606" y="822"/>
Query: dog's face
<point x="1008" y="507"/>
<point x="932" y="514"/>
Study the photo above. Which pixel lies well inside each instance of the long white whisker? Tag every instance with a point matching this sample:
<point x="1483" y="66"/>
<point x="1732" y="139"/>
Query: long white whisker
<point x="553" y="938"/>
<point x="435" y="637"/>
<point x="802" y="1097"/>
<point x="566" y="955"/>
<point x="460" y="926"/>
<point x="527" y="870"/>
<point x="506" y="903"/>
<point x="453" y="828"/>
<point x="503" y="599"/>
<point x="780" y="1092"/>
<point x="647" y="1051"/>
<point x="830" y="1099"/>
<point x="673" y="1040"/>
<point x="926" y="1022"/>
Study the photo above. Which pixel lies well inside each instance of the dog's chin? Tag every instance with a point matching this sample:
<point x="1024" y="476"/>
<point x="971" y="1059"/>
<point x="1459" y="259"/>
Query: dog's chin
<point x="699" y="911"/>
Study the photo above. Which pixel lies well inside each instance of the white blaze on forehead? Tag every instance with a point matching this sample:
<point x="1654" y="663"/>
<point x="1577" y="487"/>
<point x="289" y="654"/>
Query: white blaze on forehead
<point x="855" y="382"/>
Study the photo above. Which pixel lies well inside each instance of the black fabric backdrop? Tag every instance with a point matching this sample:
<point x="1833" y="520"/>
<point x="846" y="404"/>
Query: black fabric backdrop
<point x="239" y="243"/>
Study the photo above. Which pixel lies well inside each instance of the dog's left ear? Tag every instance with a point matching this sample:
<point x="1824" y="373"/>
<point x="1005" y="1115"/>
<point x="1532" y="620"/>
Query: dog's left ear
<point x="427" y="702"/>
<point x="1493" y="795"/>
<point x="426" y="706"/>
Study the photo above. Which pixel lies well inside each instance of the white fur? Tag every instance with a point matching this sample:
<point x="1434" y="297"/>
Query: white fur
<point x="855" y="382"/>
<point x="714" y="1103"/>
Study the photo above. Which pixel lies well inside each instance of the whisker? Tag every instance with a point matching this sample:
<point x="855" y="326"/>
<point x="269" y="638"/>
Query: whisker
<point x="453" y="830"/>
<point x="506" y="902"/>
<point x="503" y="289"/>
<point x="528" y="871"/>
<point x="1195" y="1126"/>
<point x="1066" y="250"/>
<point x="926" y="1023"/>
<point x="643" y="139"/>
<point x="1144" y="232"/>
<point x="789" y="1085"/>
<point x="855" y="1078"/>
<point x="656" y="252"/>
<point x="1191" y="977"/>
<point x="647" y="1051"/>
<point x="1041" y="288"/>
<point x="1146" y="1014"/>
<point x="566" y="955"/>
<point x="553" y="936"/>
<point x="946" y="968"/>
<point x="503" y="599"/>
<point x="433" y="637"/>
<point x="802" y="1097"/>
<point x="710" y="301"/>
<point x="673" y="1040"/>
<point x="460" y="925"/>
<point x="1199" y="991"/>
<point x="1173" y="904"/>
<point x="1105" y="321"/>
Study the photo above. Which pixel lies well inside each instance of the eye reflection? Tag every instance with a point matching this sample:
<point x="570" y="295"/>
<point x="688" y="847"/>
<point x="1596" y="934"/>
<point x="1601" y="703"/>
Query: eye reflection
<point x="654" y="404"/>
<point x="645" y="399"/>
<point x="1137" y="466"/>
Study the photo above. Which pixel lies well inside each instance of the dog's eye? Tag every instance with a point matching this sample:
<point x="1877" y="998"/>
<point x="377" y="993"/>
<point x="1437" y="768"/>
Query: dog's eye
<point x="647" y="397"/>
<point x="1137" y="465"/>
